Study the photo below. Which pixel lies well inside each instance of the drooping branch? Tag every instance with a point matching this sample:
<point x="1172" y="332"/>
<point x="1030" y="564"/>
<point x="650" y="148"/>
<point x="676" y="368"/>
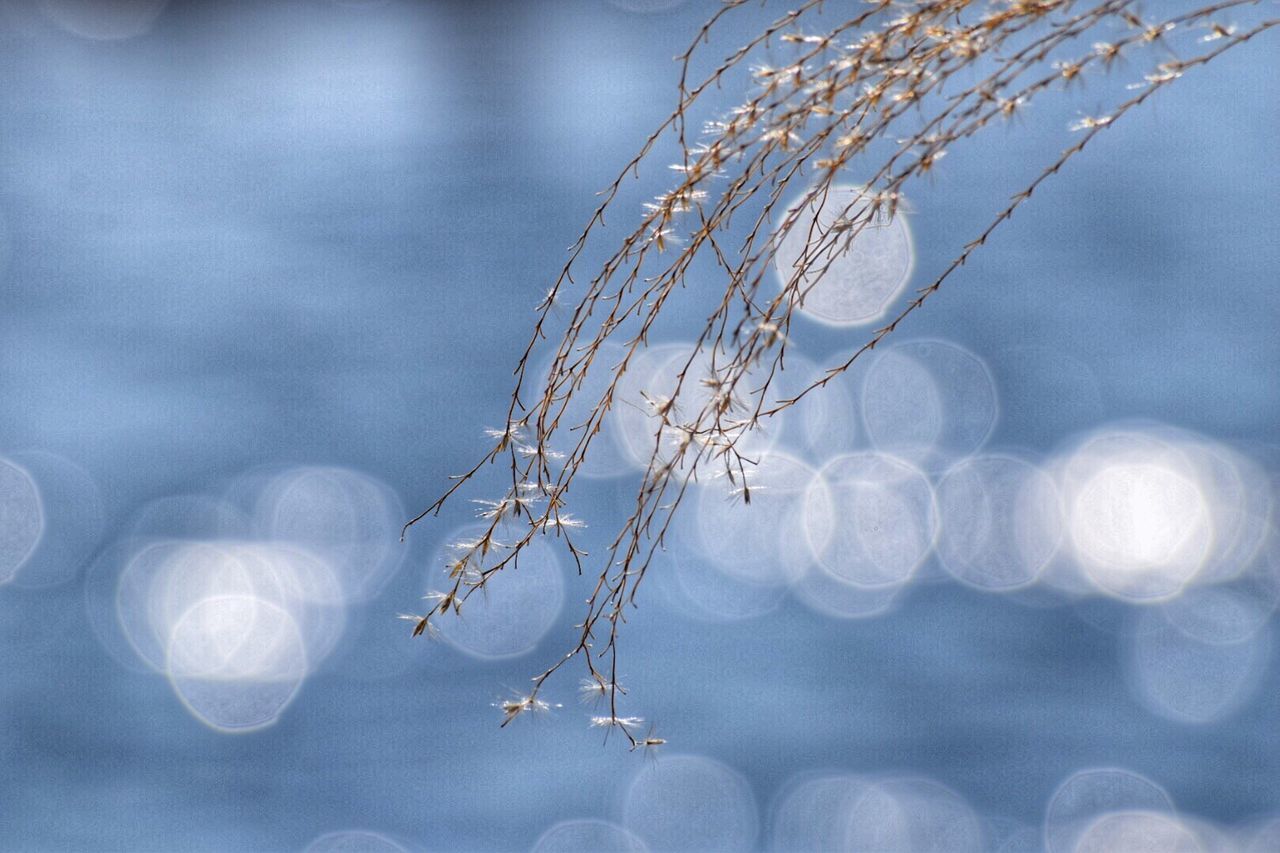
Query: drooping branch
<point x="869" y="96"/>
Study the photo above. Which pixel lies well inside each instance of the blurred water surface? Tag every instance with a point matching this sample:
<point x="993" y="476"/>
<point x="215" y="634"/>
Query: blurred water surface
<point x="264" y="270"/>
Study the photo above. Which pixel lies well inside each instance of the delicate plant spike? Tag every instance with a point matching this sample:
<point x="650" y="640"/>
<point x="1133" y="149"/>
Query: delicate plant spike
<point x="861" y="108"/>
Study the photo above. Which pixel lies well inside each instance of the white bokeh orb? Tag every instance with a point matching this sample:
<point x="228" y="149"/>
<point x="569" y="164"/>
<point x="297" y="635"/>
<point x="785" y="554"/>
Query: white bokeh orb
<point x="236" y="661"/>
<point x="843" y="281"/>
<point x="1140" y="524"/>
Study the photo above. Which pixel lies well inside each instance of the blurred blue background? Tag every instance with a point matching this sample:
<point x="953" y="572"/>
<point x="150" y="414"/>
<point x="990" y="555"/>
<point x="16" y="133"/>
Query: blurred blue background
<point x="312" y="234"/>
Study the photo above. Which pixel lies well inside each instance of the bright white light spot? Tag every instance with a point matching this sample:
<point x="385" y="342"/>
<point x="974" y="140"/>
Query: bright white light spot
<point x="165" y="580"/>
<point x="236" y="661"/>
<point x="688" y="803"/>
<point x="845" y="282"/>
<point x="1136" y="517"/>
<point x="1141" y="529"/>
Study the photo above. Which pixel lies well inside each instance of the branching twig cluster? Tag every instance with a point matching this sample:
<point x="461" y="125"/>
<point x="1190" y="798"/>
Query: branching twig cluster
<point x="881" y="95"/>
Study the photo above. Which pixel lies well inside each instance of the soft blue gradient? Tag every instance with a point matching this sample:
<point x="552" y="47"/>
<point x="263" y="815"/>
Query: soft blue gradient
<point x="310" y="233"/>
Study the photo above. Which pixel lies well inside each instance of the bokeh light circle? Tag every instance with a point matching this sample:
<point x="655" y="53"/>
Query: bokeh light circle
<point x="514" y="610"/>
<point x="914" y="814"/>
<point x="1001" y="522"/>
<point x="871" y="519"/>
<point x="1139" y="521"/>
<point x="1088" y="794"/>
<point x="845" y="282"/>
<point x="753" y="526"/>
<point x="236" y="661"/>
<point x="691" y="803"/>
<point x="21" y="518"/>
<point x="932" y="403"/>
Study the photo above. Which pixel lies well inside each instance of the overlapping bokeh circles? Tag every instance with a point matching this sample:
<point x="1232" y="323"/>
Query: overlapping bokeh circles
<point x="187" y="607"/>
<point x="912" y="813"/>
<point x="236" y="661"/>
<point x="1001" y="522"/>
<point x="642" y="390"/>
<point x="1140" y="520"/>
<point x="871" y="519"/>
<point x="751" y="523"/>
<point x="1190" y="680"/>
<point x="350" y="519"/>
<point x="1089" y="794"/>
<point x="824" y="593"/>
<point x="932" y="403"/>
<point x="238" y="600"/>
<point x="811" y="811"/>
